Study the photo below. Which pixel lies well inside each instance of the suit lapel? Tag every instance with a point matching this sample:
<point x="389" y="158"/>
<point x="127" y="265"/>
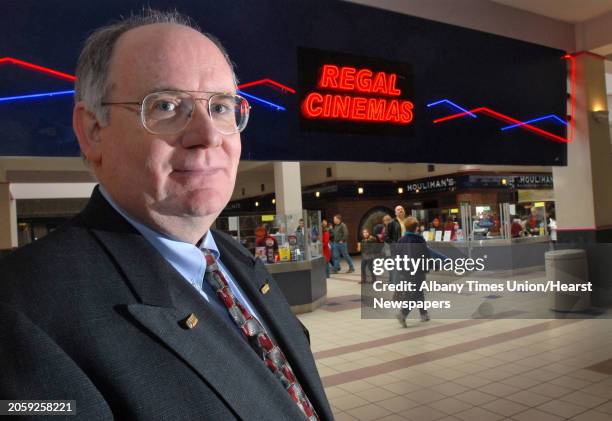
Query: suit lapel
<point x="272" y="306"/>
<point x="214" y="348"/>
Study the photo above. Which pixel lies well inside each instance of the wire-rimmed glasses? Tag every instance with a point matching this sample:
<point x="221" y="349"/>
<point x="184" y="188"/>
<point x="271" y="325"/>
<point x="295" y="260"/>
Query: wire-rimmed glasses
<point x="169" y="112"/>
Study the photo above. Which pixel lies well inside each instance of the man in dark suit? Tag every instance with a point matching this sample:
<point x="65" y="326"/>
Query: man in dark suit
<point x="135" y="308"/>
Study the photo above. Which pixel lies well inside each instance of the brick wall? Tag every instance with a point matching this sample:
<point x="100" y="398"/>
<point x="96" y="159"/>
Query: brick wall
<point x="352" y="210"/>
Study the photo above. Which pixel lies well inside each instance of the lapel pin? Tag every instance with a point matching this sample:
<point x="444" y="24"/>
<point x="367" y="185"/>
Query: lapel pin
<point x="265" y="288"/>
<point x="192" y="321"/>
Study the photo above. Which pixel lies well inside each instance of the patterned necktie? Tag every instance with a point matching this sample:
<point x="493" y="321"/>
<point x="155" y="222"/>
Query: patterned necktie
<point x="257" y="337"/>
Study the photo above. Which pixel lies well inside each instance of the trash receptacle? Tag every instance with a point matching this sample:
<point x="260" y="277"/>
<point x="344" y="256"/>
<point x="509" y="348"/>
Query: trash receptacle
<point x="568" y="267"/>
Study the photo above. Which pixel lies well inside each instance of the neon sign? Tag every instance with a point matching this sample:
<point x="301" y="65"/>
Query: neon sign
<point x="72" y="78"/>
<point x="359" y="94"/>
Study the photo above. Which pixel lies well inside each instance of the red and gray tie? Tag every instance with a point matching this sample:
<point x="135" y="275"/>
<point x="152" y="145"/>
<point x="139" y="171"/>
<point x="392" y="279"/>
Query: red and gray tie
<point x="257" y="337"/>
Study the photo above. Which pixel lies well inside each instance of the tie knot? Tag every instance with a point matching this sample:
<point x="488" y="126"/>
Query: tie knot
<point x="211" y="263"/>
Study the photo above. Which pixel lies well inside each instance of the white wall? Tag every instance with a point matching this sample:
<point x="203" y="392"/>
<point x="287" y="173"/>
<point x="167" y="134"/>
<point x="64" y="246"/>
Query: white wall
<point x="487" y="16"/>
<point x="595" y="35"/>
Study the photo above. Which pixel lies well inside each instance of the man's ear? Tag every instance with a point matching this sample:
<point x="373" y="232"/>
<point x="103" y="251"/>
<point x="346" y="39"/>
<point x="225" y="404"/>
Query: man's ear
<point x="87" y="127"/>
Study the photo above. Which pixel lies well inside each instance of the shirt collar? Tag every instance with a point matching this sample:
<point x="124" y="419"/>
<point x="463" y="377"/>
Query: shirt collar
<point x="185" y="257"/>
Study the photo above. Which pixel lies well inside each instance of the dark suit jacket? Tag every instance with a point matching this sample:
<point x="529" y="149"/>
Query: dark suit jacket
<point x="92" y="312"/>
<point x="393" y="232"/>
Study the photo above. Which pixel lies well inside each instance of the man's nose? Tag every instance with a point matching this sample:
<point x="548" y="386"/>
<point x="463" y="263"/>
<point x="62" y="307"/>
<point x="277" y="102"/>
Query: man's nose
<point x="201" y="130"/>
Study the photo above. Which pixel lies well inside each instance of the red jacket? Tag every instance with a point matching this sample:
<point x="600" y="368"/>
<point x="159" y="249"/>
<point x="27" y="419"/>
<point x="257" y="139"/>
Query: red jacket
<point x="326" y="250"/>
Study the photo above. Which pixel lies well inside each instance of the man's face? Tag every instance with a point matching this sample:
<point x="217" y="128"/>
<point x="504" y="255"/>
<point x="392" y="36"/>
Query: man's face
<point x="336" y="220"/>
<point x="190" y="174"/>
<point x="386" y="219"/>
<point x="399" y="212"/>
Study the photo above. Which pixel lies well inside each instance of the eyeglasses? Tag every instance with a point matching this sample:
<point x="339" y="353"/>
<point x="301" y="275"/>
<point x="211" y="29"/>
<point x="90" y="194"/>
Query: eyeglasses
<point x="169" y="112"/>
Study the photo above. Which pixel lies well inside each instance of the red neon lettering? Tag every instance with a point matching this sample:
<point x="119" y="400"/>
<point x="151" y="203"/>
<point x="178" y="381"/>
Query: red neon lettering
<point x="348" y="107"/>
<point x="327" y="101"/>
<point x="345" y="107"/>
<point x="392" y="113"/>
<point x="347" y="78"/>
<point x="311" y="107"/>
<point x="341" y="106"/>
<point x="376" y="109"/>
<point x="329" y="76"/>
<point x="358" y="108"/>
<point x="379" y="85"/>
<point x="406" y="114"/>
<point x="364" y="80"/>
<point x="391" y="89"/>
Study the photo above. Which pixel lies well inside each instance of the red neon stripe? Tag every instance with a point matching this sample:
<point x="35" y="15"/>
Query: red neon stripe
<point x="526" y="126"/>
<point x="37" y="67"/>
<point x="450" y="117"/>
<point x="269" y="82"/>
<point x="506" y="118"/>
<point x="572" y="95"/>
<point x="71" y="78"/>
<point x="570" y="135"/>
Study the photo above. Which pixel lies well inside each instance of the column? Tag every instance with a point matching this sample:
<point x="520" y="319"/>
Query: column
<point x="288" y="187"/>
<point x="288" y="194"/>
<point x="8" y="218"/>
<point x="583" y="192"/>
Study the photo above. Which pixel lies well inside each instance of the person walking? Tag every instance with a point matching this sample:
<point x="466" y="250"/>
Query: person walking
<point x="368" y="254"/>
<point x="325" y="234"/>
<point x="394" y="227"/>
<point x="340" y="241"/>
<point x="413" y="245"/>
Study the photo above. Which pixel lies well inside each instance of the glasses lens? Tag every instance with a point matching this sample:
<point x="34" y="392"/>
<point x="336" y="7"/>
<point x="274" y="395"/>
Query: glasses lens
<point x="230" y="113"/>
<point x="167" y="112"/>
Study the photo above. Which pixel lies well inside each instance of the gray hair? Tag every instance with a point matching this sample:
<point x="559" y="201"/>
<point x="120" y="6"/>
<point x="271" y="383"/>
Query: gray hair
<point x="92" y="84"/>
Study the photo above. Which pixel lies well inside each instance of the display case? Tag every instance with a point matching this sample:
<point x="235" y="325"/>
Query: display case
<point x="502" y="221"/>
<point x="276" y="238"/>
<point x="290" y="246"/>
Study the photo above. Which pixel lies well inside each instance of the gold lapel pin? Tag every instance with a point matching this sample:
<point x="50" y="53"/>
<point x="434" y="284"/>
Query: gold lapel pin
<point x="265" y="288"/>
<point x="192" y="321"/>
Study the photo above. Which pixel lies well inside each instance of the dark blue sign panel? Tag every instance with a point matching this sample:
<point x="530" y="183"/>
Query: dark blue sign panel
<point x="437" y="93"/>
<point x="344" y="93"/>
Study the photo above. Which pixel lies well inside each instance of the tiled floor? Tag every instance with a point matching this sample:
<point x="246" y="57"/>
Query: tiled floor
<point x="471" y="370"/>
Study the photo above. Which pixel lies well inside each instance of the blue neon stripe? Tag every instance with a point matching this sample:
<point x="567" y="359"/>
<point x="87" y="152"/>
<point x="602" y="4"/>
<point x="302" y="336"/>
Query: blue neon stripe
<point x="554" y="117"/>
<point x="451" y="103"/>
<point x="32" y="96"/>
<point x="71" y="92"/>
<point x="263" y="101"/>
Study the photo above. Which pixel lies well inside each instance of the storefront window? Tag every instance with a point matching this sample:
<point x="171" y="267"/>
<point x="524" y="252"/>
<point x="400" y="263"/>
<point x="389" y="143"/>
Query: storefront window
<point x="440" y="224"/>
<point x="533" y="219"/>
<point x="276" y="238"/>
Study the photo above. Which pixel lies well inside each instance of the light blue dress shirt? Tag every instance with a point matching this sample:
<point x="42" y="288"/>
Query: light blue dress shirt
<point x="188" y="260"/>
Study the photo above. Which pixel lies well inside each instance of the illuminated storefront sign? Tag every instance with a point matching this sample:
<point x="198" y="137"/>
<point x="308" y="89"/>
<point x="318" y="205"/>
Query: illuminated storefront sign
<point x="539" y="180"/>
<point x="481" y="181"/>
<point x="440" y="184"/>
<point x="355" y="94"/>
<point x="381" y="108"/>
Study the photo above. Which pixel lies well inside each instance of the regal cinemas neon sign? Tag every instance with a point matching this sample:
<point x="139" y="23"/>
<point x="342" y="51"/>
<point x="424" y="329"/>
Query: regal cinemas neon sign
<point x="357" y="94"/>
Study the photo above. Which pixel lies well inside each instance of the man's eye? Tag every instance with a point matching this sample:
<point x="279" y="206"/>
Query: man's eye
<point x="165" y="106"/>
<point x="219" y="108"/>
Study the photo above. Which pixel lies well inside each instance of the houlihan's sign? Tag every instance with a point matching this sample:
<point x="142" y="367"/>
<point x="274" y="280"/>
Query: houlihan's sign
<point x="431" y="185"/>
